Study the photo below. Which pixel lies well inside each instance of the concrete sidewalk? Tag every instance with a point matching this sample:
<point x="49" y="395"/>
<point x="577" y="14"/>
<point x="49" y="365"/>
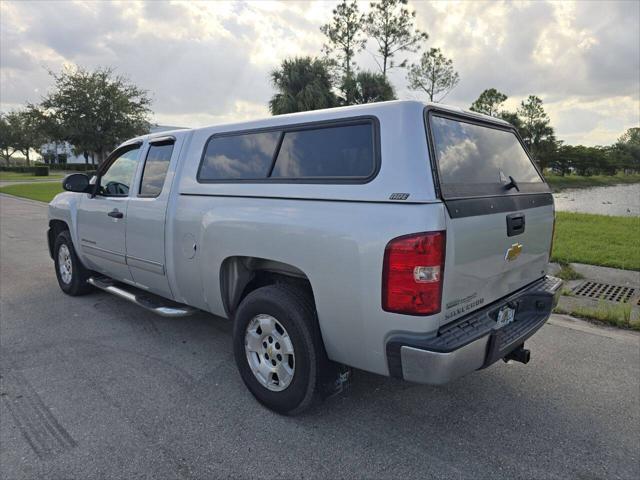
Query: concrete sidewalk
<point x="601" y="287"/>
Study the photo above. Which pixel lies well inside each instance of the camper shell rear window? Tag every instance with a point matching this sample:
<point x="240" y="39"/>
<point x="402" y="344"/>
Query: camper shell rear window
<point x="476" y="159"/>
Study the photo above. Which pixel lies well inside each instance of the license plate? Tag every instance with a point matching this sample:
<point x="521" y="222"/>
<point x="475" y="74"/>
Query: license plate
<point x="506" y="315"/>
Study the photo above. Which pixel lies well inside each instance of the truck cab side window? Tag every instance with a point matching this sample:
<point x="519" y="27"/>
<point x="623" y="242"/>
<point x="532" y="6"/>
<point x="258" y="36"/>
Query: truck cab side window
<point x="155" y="168"/>
<point x="115" y="182"/>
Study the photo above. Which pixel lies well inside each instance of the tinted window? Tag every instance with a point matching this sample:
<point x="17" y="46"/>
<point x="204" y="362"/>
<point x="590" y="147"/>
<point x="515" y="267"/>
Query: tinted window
<point x="475" y="159"/>
<point x="345" y="151"/>
<point x="155" y="169"/>
<point x="115" y="182"/>
<point x="246" y="156"/>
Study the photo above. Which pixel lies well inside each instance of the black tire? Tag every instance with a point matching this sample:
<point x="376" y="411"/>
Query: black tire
<point x="294" y="310"/>
<point x="77" y="285"/>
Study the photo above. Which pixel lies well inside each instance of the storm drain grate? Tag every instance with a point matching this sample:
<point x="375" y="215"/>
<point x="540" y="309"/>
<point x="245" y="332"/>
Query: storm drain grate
<point x="604" y="291"/>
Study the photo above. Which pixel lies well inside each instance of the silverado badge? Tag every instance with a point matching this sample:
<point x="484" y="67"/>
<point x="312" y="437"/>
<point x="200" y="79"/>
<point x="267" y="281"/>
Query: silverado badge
<point x="513" y="252"/>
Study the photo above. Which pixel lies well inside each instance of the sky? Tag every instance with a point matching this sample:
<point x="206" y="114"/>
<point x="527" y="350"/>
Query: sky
<point x="209" y="62"/>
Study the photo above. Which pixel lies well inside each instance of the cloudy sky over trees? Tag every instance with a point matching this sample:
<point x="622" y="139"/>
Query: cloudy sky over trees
<point x="209" y="62"/>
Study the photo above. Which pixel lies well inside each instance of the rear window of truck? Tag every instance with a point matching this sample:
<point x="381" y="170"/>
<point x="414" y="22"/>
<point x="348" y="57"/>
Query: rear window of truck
<point x="481" y="160"/>
<point x="330" y="152"/>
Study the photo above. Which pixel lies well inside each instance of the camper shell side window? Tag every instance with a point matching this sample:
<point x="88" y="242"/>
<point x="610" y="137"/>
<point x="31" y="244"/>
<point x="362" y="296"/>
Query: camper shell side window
<point x="337" y="151"/>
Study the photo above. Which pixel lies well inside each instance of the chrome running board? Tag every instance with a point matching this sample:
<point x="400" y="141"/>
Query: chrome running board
<point x="154" y="303"/>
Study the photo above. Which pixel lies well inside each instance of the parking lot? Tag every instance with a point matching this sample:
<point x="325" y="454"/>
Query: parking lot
<point x="95" y="387"/>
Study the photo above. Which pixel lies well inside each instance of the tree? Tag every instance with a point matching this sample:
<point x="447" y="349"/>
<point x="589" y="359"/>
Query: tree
<point x="51" y="132"/>
<point x="599" y="160"/>
<point x="562" y="161"/>
<point x="391" y="25"/>
<point x="630" y="137"/>
<point x="489" y="102"/>
<point x="96" y="110"/>
<point x="7" y="136"/>
<point x="512" y="118"/>
<point x="345" y="35"/>
<point x="536" y="130"/>
<point x="627" y="150"/>
<point x="34" y="133"/>
<point x="434" y="74"/>
<point x="367" y="87"/>
<point x="302" y="83"/>
<point x="21" y="132"/>
<point x="585" y="161"/>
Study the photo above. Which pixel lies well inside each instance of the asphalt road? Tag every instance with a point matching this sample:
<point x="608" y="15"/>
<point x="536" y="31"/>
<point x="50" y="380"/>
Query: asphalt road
<point x="95" y="387"/>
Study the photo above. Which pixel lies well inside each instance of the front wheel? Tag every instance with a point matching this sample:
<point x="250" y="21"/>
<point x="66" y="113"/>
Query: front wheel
<point x="277" y="347"/>
<point x="72" y="275"/>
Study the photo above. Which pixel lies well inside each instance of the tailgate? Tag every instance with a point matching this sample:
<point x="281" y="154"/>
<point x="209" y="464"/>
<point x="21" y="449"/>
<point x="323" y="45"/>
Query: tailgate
<point x="484" y="263"/>
<point x="500" y="212"/>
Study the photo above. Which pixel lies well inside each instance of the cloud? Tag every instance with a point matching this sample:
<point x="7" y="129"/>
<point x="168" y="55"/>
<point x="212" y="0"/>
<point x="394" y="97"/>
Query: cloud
<point x="209" y="62"/>
<point x="582" y="59"/>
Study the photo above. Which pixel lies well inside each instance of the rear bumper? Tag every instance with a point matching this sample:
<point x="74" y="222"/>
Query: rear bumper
<point x="472" y="342"/>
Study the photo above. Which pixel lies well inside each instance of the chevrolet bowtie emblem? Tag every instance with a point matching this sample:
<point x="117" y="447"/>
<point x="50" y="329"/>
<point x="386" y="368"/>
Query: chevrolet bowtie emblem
<point x="513" y="252"/>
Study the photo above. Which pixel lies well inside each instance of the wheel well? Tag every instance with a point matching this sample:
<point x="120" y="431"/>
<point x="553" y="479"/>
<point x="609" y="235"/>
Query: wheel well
<point x="55" y="227"/>
<point x="239" y="276"/>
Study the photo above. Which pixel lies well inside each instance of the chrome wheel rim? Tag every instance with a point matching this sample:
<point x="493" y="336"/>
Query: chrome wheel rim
<point x="269" y="352"/>
<point x="64" y="264"/>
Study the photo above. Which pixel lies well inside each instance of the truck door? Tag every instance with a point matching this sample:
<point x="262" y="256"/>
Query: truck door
<point x="146" y="212"/>
<point x="102" y="217"/>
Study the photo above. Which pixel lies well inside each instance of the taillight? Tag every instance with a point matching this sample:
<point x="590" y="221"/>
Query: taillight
<point x="412" y="274"/>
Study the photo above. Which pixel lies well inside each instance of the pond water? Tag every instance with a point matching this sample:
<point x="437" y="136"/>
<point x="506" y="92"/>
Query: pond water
<point x="621" y="200"/>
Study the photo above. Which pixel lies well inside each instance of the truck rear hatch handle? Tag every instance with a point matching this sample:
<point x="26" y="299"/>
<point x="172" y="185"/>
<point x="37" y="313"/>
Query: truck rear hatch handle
<point x="515" y="224"/>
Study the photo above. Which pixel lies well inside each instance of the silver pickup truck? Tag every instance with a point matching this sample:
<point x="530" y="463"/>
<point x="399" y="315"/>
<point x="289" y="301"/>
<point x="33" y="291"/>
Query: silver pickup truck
<point x="401" y="238"/>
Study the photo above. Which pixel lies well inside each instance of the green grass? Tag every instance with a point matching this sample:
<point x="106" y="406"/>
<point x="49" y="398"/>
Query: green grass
<point x="567" y="272"/>
<point x="597" y="240"/>
<point x="616" y="315"/>
<point x="24" y="177"/>
<point x="576" y="181"/>
<point x="43" y="191"/>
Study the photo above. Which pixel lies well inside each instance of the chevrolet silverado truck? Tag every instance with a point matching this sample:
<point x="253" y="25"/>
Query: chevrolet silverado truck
<point x="400" y="238"/>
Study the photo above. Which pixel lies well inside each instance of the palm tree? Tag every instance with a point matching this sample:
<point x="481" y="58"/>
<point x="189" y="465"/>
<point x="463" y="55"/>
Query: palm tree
<point x="302" y="83"/>
<point x="367" y="87"/>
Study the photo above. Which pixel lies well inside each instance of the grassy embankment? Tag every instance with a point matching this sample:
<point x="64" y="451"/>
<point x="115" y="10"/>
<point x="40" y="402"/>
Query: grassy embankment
<point x="41" y="191"/>
<point x="597" y="240"/>
<point x="26" y="177"/>
<point x="576" y="181"/>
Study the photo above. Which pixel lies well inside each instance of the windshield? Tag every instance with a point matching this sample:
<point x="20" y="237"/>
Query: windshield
<point x="476" y="160"/>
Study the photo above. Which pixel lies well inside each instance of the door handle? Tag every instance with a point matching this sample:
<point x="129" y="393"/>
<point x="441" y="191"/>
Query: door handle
<point x="515" y="224"/>
<point x="115" y="214"/>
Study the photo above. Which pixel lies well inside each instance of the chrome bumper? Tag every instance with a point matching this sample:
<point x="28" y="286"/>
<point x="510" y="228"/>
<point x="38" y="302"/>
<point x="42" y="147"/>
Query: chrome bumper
<point x="473" y="342"/>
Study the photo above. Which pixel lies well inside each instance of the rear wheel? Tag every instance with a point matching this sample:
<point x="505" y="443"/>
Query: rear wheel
<point x="72" y="275"/>
<point x="277" y="347"/>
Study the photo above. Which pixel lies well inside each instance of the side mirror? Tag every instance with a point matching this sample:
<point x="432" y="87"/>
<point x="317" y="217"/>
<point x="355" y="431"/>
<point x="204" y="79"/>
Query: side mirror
<point x="76" y="182"/>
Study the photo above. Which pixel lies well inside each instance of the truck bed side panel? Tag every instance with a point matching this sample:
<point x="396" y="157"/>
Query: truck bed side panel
<point x="338" y="245"/>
